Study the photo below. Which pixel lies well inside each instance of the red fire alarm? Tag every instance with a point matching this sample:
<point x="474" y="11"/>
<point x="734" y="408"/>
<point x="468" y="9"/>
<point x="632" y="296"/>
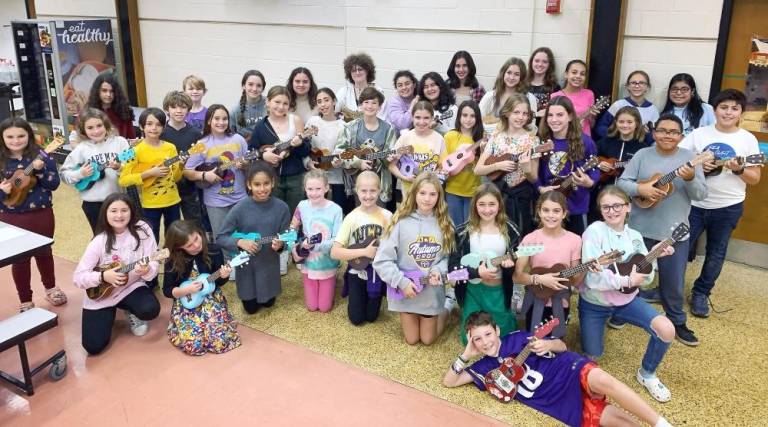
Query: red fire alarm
<point x="553" y="6"/>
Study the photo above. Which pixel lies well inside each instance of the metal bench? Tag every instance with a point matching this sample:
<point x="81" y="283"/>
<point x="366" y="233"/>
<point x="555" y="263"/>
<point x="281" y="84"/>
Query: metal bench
<point x="15" y="331"/>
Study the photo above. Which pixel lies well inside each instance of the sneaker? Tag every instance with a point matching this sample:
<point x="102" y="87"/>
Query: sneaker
<point x="26" y="306"/>
<point x="138" y="327"/>
<point x="655" y="387"/>
<point x="615" y="324"/>
<point x="686" y="336"/>
<point x="699" y="305"/>
<point x="650" y="295"/>
<point x="56" y="296"/>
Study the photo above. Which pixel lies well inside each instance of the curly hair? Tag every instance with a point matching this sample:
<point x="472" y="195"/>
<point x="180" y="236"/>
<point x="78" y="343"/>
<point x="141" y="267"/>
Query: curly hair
<point x="441" y="209"/>
<point x="362" y="60"/>
<point x="446" y="97"/>
<point x="92" y="113"/>
<point x="120" y="103"/>
<point x="311" y="95"/>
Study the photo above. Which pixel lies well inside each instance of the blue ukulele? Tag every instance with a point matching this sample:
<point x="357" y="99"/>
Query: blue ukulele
<point x="289" y="237"/>
<point x="194" y="300"/>
<point x="98" y="170"/>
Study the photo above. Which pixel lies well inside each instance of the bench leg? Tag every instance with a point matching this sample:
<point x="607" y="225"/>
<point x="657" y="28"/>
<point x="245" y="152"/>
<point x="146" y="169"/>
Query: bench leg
<point x="25" y="386"/>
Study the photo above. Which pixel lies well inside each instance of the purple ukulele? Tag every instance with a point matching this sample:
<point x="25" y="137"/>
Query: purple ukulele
<point x="408" y="167"/>
<point x="420" y="280"/>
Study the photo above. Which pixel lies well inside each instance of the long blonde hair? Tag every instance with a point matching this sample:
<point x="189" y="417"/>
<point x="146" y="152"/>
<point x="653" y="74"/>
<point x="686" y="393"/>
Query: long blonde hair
<point x="473" y="225"/>
<point x="441" y="209"/>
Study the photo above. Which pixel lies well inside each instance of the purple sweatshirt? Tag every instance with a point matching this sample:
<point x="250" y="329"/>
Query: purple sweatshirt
<point x="557" y="164"/>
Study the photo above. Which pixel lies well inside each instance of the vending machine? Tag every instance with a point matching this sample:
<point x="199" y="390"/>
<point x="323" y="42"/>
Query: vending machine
<point x="58" y="62"/>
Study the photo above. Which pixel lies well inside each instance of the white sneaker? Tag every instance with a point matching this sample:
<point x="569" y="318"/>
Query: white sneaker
<point x="138" y="327"/>
<point x="655" y="387"/>
<point x="284" y="263"/>
<point x="450" y="299"/>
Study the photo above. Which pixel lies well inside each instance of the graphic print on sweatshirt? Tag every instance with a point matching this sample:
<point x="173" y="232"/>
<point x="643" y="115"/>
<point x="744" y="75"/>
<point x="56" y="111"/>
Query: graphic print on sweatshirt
<point x="557" y="162"/>
<point x="424" y="251"/>
<point x="224" y="153"/>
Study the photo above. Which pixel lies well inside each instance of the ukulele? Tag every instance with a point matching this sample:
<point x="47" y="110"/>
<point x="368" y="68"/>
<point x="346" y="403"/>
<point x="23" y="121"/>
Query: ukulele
<point x="617" y="167"/>
<point x="194" y="299"/>
<point x="87" y="182"/>
<point x="23" y="181"/>
<point x="349" y="115"/>
<point x="312" y="240"/>
<point x="502" y="382"/>
<point x="600" y="104"/>
<point x="322" y="158"/>
<point x="463" y="156"/>
<point x="420" y="280"/>
<point x="408" y="167"/>
<point x="644" y="263"/>
<point x="439" y="117"/>
<point x="368" y="152"/>
<point x="664" y="182"/>
<point x="180" y="157"/>
<point x="535" y="152"/>
<point x="743" y="161"/>
<point x="489" y="258"/>
<point x="289" y="237"/>
<point x="361" y="263"/>
<point x="220" y="167"/>
<point x="280" y="146"/>
<point x="105" y="289"/>
<point x="566" y="185"/>
<point x="544" y="293"/>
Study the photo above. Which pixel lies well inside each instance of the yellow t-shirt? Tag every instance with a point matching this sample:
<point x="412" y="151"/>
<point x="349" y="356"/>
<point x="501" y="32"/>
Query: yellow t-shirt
<point x="357" y="226"/>
<point x="155" y="192"/>
<point x="428" y="151"/>
<point x="465" y="182"/>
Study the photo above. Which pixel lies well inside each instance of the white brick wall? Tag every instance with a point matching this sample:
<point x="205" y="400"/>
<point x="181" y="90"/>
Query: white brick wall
<point x="693" y="26"/>
<point x="220" y="39"/>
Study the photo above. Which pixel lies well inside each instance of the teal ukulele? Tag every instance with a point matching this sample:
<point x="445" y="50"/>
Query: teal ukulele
<point x="289" y="237"/>
<point x="98" y="170"/>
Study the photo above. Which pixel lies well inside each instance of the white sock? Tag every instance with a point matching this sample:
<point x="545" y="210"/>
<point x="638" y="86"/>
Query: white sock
<point x="662" y="422"/>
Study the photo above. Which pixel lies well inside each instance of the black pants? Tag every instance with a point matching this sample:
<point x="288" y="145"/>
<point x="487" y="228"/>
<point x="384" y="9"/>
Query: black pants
<point x="97" y="324"/>
<point x="341" y="198"/>
<point x="191" y="208"/>
<point x="576" y="223"/>
<point x="547" y="315"/>
<point x="361" y="307"/>
<point x="91" y="211"/>
<point x="251" y="306"/>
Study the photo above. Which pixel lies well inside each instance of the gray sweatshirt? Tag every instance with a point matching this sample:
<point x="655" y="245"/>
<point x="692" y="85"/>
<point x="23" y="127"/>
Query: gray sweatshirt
<point x="87" y="151"/>
<point x="415" y="243"/>
<point x="658" y="221"/>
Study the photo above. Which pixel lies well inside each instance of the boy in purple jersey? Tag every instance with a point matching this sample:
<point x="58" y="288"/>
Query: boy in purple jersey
<point x="557" y="382"/>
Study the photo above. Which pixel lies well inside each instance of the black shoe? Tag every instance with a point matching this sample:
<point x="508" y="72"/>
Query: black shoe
<point x="650" y="296"/>
<point x="686" y="336"/>
<point x="615" y="324"/>
<point x="699" y="305"/>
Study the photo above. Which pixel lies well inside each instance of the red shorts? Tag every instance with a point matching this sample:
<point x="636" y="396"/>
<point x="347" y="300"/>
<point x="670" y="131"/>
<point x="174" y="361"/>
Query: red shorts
<point x="593" y="405"/>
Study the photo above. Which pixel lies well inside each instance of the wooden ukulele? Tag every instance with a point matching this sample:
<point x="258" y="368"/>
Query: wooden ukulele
<point x="281" y="146"/>
<point x="23" y="181"/>
<point x="743" y="161"/>
<point x="182" y="157"/>
<point x="349" y="115"/>
<point x="644" y="263"/>
<point x="617" y="167"/>
<point x="566" y="185"/>
<point x="219" y="168"/>
<point x="367" y="152"/>
<point x="105" y="289"/>
<point x="535" y="152"/>
<point x="322" y="158"/>
<point x="600" y="104"/>
<point x="544" y="293"/>
<point x="664" y="182"/>
<point x="361" y="263"/>
<point x="502" y="382"/>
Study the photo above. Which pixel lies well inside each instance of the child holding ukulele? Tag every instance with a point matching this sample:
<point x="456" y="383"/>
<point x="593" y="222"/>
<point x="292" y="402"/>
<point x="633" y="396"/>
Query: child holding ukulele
<point x="462" y="182"/>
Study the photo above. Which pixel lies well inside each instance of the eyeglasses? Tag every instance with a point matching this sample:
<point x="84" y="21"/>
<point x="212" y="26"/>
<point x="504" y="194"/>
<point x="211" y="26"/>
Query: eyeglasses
<point x="637" y="83"/>
<point x="684" y="89"/>
<point x="357" y="69"/>
<point x="668" y="132"/>
<point x="615" y="207"/>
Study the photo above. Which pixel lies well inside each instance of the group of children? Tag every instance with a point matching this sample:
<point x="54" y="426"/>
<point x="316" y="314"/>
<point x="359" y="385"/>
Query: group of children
<point x="531" y="205"/>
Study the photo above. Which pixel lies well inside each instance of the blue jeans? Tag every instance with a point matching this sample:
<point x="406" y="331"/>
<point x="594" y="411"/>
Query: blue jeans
<point x="719" y="224"/>
<point x="592" y="318"/>
<point x="672" y="279"/>
<point x="168" y="213"/>
<point x="458" y="208"/>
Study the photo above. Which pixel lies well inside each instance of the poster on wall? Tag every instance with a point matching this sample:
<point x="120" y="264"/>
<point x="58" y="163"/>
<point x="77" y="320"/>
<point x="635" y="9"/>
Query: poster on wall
<point x="86" y="49"/>
<point x="755" y="118"/>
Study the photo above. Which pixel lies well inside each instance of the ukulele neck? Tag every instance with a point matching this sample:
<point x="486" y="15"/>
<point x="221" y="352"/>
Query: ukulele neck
<point x="655" y="253"/>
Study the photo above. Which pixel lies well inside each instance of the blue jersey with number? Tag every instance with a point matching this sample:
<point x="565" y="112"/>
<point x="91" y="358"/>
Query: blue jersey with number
<point x="551" y="384"/>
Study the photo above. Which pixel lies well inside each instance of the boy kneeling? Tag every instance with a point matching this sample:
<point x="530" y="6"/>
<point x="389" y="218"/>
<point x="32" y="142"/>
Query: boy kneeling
<point x="560" y="383"/>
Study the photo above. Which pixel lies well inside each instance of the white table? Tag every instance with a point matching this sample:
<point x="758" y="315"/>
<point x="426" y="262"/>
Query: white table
<point x="16" y="243"/>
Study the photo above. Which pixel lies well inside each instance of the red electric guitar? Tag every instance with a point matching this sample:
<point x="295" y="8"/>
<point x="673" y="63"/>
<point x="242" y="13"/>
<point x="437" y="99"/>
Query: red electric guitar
<point x="502" y="382"/>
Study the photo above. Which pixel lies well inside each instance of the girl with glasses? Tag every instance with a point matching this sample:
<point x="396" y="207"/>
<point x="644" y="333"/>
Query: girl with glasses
<point x="637" y="85"/>
<point x="684" y="101"/>
<point x="360" y="72"/>
<point x="600" y="297"/>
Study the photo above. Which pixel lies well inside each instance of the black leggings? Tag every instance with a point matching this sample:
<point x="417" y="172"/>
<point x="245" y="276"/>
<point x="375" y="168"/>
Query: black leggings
<point x="91" y="211"/>
<point x="97" y="324"/>
<point x="251" y="306"/>
<point x="361" y="307"/>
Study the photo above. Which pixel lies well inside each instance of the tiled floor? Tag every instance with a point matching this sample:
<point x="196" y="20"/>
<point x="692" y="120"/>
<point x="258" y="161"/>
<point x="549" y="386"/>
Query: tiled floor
<point x="146" y="382"/>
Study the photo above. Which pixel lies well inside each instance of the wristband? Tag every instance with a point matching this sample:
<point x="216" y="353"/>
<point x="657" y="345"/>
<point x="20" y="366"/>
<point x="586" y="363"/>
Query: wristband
<point x="457" y="366"/>
<point x="741" y="172"/>
<point x="462" y="359"/>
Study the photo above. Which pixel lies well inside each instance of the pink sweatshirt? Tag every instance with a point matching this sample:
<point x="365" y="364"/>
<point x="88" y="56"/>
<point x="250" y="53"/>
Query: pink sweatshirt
<point x="95" y="255"/>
